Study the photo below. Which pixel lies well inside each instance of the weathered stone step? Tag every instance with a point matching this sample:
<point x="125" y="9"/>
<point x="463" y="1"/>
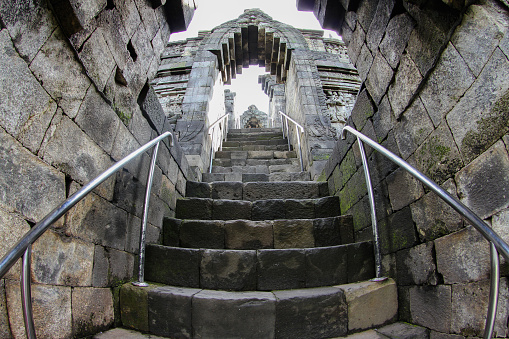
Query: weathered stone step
<point x="255" y="155"/>
<point x="323" y="312"/>
<point x="252" y="191"/>
<point x="254" y="235"/>
<point x="256" y="177"/>
<point x="240" y="143"/>
<point x="223" y="162"/>
<point x="256" y="148"/>
<point x="260" y="169"/>
<point x="254" y="130"/>
<point x="259" y="270"/>
<point x="261" y="209"/>
<point x="254" y="137"/>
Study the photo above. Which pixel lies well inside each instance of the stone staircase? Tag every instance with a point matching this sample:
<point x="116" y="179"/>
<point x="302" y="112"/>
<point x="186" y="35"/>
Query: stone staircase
<point x="255" y="155"/>
<point x="257" y="259"/>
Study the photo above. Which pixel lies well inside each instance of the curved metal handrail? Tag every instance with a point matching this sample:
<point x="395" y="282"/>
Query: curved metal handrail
<point x="23" y="246"/>
<point x="497" y="244"/>
<point x="224" y="133"/>
<point x="286" y="132"/>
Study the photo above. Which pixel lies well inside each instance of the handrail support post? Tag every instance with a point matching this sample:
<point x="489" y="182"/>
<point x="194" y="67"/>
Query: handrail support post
<point x="26" y="294"/>
<point x="143" y="231"/>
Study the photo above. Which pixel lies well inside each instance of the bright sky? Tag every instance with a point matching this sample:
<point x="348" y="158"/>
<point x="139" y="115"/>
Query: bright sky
<point x="210" y="14"/>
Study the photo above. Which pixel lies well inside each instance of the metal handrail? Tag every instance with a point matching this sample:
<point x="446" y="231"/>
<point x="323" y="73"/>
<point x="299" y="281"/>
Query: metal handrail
<point x="286" y="133"/>
<point x="224" y="133"/>
<point x="497" y="244"/>
<point x="23" y="246"/>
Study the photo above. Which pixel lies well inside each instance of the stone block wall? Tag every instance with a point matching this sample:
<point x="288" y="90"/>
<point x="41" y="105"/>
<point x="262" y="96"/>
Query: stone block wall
<point x="74" y="99"/>
<point x="435" y="92"/>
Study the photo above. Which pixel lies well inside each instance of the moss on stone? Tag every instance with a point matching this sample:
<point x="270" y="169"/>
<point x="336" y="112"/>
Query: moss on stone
<point x="489" y="129"/>
<point x="322" y="177"/>
<point x="124" y="116"/>
<point x="319" y="157"/>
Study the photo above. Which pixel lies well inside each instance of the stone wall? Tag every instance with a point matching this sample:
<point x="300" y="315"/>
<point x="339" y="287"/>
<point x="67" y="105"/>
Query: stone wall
<point x="74" y="99"/>
<point x="435" y="92"/>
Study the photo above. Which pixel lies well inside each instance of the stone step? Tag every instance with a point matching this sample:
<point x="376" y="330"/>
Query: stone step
<point x="324" y="312"/>
<point x="256" y="148"/>
<point x="254" y="130"/>
<point x="223" y="162"/>
<point x="256" y="177"/>
<point x="240" y="143"/>
<point x="254" y="235"/>
<point x="254" y="137"/>
<point x="260" y="209"/>
<point x="260" y="169"/>
<point x="252" y="191"/>
<point x="244" y="155"/>
<point x="259" y="270"/>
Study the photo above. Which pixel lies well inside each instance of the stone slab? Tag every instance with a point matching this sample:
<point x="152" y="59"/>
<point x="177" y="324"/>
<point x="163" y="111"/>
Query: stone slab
<point x="90" y="318"/>
<point x="311" y="313"/>
<point x="220" y="314"/>
<point x="246" y="234"/>
<point x="173" y="266"/>
<point x="228" y="270"/>
<point x="281" y="269"/>
<point x="201" y="234"/>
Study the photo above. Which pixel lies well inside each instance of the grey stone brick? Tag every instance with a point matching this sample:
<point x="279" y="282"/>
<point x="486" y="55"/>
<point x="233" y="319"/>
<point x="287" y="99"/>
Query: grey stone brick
<point x="173" y="266"/>
<point x="55" y="258"/>
<point x="397" y="232"/>
<point x="36" y="190"/>
<point x="246" y="234"/>
<point x="379" y="23"/>
<point x="97" y="59"/>
<point x="327" y="207"/>
<point x="101" y="267"/>
<point x="268" y="209"/>
<point x="361" y="264"/>
<point x="478" y="35"/>
<point x="228" y="270"/>
<point x="362" y="110"/>
<point x="470" y="303"/>
<point x="281" y="269"/>
<point x="89" y="318"/>
<point x="354" y="48"/>
<point x="483" y="184"/>
<point x="326" y="266"/>
<point x="447" y="83"/>
<point x="299" y="209"/>
<point x="296" y="233"/>
<point x="194" y="208"/>
<point x="435" y="218"/>
<point x="196" y="189"/>
<point x="171" y="231"/>
<point x="365" y="13"/>
<point x="438" y="157"/>
<point x="28" y="25"/>
<point x="201" y="234"/>
<point x="51" y="309"/>
<point x="219" y="314"/>
<point x="462" y="256"/>
<point x="98" y="120"/>
<point x="227" y="190"/>
<point x="26" y="109"/>
<point x="412" y="129"/>
<point x="434" y="26"/>
<point x="61" y="74"/>
<point x="231" y="209"/>
<point x="396" y="38"/>
<point x="416" y="266"/>
<point x="379" y="77"/>
<point x="4" y="319"/>
<point x="364" y="62"/>
<point x="317" y="312"/>
<point x="479" y="119"/>
<point x="430" y="306"/>
<point x="406" y="81"/>
<point x="121" y="266"/>
<point x="161" y="320"/>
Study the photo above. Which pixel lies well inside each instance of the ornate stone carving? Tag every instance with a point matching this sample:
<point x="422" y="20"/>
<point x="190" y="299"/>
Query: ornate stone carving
<point x="254" y="118"/>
